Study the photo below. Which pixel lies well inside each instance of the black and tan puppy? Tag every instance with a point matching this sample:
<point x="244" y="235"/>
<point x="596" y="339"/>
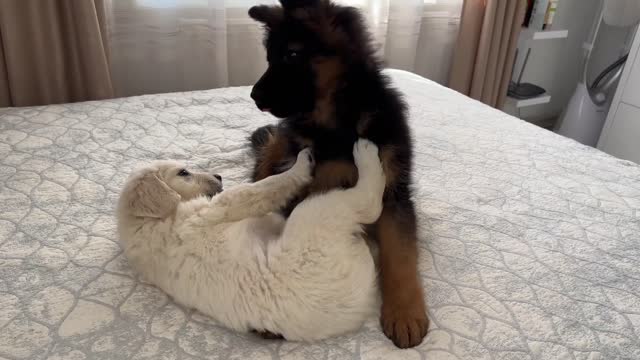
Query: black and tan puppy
<point x="325" y="83"/>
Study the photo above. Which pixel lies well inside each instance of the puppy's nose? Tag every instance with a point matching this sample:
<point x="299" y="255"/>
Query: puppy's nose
<point x="258" y="98"/>
<point x="217" y="177"/>
<point x="256" y="94"/>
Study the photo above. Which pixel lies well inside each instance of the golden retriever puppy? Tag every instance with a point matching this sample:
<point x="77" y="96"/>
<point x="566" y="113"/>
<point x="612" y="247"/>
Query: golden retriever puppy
<point x="230" y="256"/>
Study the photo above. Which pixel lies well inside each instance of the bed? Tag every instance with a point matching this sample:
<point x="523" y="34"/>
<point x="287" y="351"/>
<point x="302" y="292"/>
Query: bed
<point x="529" y="242"/>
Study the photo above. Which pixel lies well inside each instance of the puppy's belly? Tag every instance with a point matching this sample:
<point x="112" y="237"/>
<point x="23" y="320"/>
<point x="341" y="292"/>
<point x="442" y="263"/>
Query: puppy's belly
<point x="256" y="233"/>
<point x="268" y="227"/>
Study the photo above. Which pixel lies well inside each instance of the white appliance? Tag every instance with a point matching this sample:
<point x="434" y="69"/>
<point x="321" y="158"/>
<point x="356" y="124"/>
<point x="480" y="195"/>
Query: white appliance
<point x="584" y="116"/>
<point x="621" y="131"/>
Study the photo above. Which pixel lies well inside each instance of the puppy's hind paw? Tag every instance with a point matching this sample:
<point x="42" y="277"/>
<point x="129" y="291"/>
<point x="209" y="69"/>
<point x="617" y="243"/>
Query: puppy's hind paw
<point x="307" y="154"/>
<point x="365" y="155"/>
<point x="261" y="137"/>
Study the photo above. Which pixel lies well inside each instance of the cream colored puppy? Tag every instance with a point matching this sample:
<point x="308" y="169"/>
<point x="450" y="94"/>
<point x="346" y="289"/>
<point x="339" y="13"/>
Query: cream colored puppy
<point x="231" y="257"/>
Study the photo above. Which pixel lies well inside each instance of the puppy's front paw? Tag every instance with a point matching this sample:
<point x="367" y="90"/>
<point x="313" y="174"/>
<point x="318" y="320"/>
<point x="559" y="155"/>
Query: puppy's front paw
<point x="405" y="324"/>
<point x="304" y="165"/>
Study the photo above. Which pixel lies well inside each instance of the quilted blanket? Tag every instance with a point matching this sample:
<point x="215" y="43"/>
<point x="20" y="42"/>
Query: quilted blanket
<point x="529" y="242"/>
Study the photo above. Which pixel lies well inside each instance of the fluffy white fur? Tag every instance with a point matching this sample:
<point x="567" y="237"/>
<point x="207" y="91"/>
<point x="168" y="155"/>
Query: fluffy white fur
<point x="309" y="277"/>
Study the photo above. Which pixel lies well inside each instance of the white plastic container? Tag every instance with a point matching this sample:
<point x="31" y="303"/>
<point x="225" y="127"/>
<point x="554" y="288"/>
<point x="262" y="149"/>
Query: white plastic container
<point x="582" y="120"/>
<point x="621" y="12"/>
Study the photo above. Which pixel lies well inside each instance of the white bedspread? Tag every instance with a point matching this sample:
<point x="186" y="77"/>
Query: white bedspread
<point x="529" y="242"/>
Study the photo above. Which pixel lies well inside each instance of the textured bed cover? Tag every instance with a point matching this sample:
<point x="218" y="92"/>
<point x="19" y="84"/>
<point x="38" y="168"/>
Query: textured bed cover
<point x="529" y="242"/>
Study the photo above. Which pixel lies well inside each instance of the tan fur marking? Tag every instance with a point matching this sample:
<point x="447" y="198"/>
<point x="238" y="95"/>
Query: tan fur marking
<point x="403" y="309"/>
<point x="271" y="154"/>
<point x="333" y="174"/>
<point x="328" y="71"/>
<point x="389" y="164"/>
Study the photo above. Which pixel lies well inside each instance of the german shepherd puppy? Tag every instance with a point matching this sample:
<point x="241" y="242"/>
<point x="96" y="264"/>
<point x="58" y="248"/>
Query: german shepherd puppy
<point x="325" y="83"/>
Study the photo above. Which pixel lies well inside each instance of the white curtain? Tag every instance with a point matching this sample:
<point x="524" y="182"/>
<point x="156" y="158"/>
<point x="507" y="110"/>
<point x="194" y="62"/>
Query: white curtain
<point x="181" y="45"/>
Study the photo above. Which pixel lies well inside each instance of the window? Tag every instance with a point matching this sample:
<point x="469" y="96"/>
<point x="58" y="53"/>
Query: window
<point x="165" y="4"/>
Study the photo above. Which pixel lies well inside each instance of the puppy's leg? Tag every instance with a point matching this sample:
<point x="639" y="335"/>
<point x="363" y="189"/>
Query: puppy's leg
<point x="267" y="195"/>
<point x="343" y="210"/>
<point x="403" y="316"/>
<point x="366" y="197"/>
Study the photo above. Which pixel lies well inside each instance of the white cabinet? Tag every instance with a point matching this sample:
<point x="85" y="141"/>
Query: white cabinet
<point x="623" y="139"/>
<point x="621" y="132"/>
<point x="631" y="92"/>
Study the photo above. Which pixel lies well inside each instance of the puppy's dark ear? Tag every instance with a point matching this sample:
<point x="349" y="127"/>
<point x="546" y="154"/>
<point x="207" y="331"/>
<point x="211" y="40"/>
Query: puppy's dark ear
<point x="294" y="4"/>
<point x="268" y="15"/>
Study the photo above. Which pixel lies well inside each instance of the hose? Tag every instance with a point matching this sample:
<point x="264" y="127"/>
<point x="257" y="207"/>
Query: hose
<point x="606" y="71"/>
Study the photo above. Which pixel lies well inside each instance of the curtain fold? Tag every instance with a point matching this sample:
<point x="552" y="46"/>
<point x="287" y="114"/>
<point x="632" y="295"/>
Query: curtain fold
<point x="5" y="95"/>
<point x="485" y="49"/>
<point x="181" y="45"/>
<point x="53" y="52"/>
<point x="65" y="50"/>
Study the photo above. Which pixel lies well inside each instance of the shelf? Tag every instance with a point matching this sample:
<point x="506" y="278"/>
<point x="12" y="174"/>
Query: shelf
<point x="520" y="103"/>
<point x="550" y="34"/>
<point x="546" y="34"/>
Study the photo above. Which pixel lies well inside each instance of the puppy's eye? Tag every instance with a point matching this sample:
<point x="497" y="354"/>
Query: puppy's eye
<point x="292" y="55"/>
<point x="183" y="172"/>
